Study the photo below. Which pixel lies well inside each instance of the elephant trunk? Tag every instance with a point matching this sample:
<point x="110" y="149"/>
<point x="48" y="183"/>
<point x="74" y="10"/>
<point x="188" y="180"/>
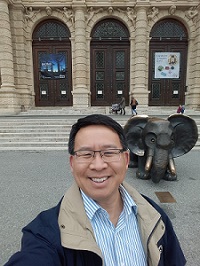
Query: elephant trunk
<point x="159" y="165"/>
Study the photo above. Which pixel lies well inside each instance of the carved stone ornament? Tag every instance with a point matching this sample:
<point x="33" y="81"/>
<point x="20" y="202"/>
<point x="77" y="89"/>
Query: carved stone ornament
<point x="172" y="10"/>
<point x="153" y="13"/>
<point x="110" y="10"/>
<point x="29" y="13"/>
<point x="191" y="13"/>
<point x="67" y="14"/>
<point x="91" y="12"/>
<point x="48" y="11"/>
<point x="129" y="13"/>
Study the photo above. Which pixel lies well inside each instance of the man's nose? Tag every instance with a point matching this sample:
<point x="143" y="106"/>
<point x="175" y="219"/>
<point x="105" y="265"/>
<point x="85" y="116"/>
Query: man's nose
<point x="98" y="162"/>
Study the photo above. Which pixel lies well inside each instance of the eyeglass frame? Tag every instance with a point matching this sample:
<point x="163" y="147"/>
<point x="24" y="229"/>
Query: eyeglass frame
<point x="120" y="151"/>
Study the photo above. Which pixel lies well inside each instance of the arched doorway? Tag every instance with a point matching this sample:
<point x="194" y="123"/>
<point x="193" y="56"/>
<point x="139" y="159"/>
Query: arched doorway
<point x="109" y="63"/>
<point x="168" y="63"/>
<point x="52" y="64"/>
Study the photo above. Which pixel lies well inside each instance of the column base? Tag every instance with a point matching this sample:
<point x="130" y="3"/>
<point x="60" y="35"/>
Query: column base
<point x="81" y="98"/>
<point x="9" y="101"/>
<point x="192" y="98"/>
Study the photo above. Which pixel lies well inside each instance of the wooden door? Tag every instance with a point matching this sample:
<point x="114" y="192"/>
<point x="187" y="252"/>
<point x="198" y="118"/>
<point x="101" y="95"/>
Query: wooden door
<point x="109" y="74"/>
<point x="52" y="75"/>
<point x="167" y="90"/>
<point x="168" y="63"/>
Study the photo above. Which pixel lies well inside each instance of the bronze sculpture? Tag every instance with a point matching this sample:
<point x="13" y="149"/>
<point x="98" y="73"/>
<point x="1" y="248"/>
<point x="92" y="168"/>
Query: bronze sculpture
<point x="155" y="142"/>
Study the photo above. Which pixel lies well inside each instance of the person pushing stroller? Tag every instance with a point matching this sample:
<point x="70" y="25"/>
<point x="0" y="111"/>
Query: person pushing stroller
<point x="115" y="108"/>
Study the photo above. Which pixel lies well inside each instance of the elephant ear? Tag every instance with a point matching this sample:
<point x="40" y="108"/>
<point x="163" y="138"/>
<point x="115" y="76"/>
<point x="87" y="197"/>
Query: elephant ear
<point x="133" y="131"/>
<point x="186" y="133"/>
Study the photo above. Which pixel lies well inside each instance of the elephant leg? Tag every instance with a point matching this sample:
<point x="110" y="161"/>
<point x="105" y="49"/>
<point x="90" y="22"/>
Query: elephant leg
<point x="142" y="173"/>
<point x="171" y="171"/>
<point x="170" y="176"/>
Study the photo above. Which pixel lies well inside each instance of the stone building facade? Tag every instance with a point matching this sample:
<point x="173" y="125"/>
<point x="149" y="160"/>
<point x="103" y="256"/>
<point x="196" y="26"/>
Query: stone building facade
<point x="83" y="53"/>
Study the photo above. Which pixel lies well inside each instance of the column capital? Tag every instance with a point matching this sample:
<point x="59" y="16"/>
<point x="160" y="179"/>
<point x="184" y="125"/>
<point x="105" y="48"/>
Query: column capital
<point x="141" y="7"/>
<point x="79" y="4"/>
<point x="7" y="1"/>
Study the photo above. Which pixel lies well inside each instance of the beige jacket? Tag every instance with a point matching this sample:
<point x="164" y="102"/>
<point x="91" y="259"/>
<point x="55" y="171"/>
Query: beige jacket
<point x="77" y="233"/>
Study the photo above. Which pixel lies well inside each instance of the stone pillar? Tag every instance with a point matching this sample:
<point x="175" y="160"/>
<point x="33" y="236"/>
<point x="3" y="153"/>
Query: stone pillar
<point x="8" y="97"/>
<point x="192" y="99"/>
<point x="80" y="90"/>
<point x="140" y="90"/>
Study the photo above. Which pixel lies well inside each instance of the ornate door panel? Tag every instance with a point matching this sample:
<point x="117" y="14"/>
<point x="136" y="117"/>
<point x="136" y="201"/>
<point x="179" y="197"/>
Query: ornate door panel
<point x="52" y="64"/>
<point x="52" y="75"/>
<point x="110" y="74"/>
<point x="168" y="91"/>
<point x="110" y="68"/>
<point x="167" y="80"/>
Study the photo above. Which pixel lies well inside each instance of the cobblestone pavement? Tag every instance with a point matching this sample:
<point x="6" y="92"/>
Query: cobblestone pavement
<point x="32" y="181"/>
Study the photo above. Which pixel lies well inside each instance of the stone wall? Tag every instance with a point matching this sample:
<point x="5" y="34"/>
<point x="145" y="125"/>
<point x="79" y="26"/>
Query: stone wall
<point x="18" y="20"/>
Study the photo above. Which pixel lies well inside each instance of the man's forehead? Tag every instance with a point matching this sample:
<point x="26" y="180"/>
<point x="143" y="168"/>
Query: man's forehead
<point x="96" y="135"/>
<point x="96" y="128"/>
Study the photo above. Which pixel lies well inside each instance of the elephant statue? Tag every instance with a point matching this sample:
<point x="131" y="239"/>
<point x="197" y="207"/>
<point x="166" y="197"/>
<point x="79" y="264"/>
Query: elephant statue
<point x="155" y="142"/>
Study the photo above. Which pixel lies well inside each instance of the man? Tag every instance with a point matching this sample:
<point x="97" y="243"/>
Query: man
<point x="101" y="220"/>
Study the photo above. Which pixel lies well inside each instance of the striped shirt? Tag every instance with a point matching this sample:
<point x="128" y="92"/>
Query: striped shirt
<point x="120" y="245"/>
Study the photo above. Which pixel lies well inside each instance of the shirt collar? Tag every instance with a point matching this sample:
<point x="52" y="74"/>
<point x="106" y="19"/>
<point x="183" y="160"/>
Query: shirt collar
<point x="91" y="207"/>
<point x="129" y="204"/>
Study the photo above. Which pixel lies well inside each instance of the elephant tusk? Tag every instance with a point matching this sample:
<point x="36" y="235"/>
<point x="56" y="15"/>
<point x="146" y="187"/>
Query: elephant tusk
<point x="148" y="163"/>
<point x="172" y="166"/>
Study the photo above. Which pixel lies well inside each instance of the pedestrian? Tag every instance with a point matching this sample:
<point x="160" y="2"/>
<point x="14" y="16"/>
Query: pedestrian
<point x="181" y="109"/>
<point x="122" y="106"/>
<point x="133" y="105"/>
<point x="101" y="220"/>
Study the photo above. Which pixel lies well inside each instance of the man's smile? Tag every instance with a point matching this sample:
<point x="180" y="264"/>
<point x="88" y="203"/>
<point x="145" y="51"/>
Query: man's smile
<point x="99" y="180"/>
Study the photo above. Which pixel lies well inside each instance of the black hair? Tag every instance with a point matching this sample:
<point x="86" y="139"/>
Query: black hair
<point x="96" y="119"/>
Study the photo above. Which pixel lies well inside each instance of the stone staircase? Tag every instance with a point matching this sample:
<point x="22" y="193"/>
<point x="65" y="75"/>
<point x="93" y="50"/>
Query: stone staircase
<point x="48" y="129"/>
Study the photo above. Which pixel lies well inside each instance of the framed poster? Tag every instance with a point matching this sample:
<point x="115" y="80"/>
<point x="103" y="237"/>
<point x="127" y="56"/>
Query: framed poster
<point x="52" y="66"/>
<point x="167" y="65"/>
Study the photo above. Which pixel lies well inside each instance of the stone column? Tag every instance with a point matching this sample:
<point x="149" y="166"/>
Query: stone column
<point x="80" y="90"/>
<point x="140" y="89"/>
<point x="192" y="94"/>
<point x="8" y="98"/>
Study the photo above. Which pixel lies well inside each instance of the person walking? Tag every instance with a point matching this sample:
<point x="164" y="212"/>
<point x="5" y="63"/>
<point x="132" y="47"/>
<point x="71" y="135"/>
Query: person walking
<point x="101" y="220"/>
<point x="122" y="106"/>
<point x="133" y="105"/>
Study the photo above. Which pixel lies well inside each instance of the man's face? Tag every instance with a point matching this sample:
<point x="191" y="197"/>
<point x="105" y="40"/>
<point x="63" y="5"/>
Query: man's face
<point x="98" y="179"/>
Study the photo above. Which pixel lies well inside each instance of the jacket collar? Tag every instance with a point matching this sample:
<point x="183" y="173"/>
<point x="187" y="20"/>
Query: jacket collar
<point x="75" y="227"/>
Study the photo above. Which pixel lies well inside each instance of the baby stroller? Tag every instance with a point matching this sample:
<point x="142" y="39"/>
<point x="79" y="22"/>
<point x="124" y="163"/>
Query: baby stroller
<point x="115" y="108"/>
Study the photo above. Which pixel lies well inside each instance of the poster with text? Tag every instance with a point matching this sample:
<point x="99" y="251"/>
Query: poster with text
<point x="53" y="66"/>
<point x="167" y="65"/>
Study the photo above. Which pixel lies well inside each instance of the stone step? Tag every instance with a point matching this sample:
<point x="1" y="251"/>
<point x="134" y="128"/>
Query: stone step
<point x="102" y="110"/>
<point x="30" y="143"/>
<point x="34" y="129"/>
<point x="35" y="137"/>
<point x="42" y="132"/>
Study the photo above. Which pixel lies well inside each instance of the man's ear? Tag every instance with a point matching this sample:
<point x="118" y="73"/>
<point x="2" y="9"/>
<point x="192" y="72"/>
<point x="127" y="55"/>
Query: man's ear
<point x="71" y="160"/>
<point x="127" y="159"/>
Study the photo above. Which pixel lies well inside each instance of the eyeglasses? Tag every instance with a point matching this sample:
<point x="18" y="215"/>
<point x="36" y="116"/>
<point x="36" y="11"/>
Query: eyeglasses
<point x="109" y="155"/>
